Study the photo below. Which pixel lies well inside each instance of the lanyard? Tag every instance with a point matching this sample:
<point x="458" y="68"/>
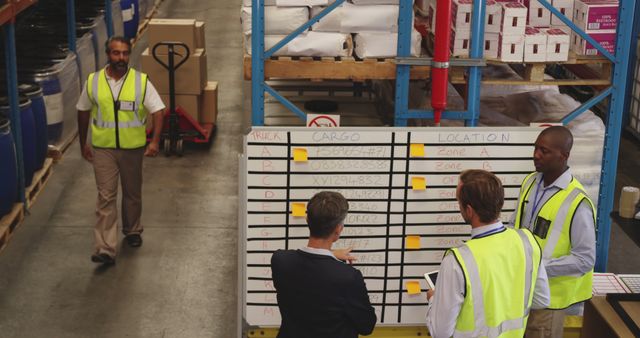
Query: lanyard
<point x="490" y="232"/>
<point x="536" y="201"/>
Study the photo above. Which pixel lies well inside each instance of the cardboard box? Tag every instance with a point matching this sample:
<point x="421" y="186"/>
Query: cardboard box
<point x="511" y="48"/>
<point x="565" y="7"/>
<point x="538" y="15"/>
<point x="461" y="14"/>
<point x="183" y="30"/>
<point x="190" y="103"/>
<point x="191" y="77"/>
<point x="200" y="41"/>
<point x="535" y="45"/>
<point x="209" y="106"/>
<point x="460" y="43"/>
<point x="596" y="15"/>
<point x="493" y="17"/>
<point x="558" y="42"/>
<point x="491" y="45"/>
<point x="606" y="39"/>
<point x="514" y="18"/>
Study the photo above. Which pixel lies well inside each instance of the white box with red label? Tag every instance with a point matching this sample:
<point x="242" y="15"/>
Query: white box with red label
<point x="493" y="17"/>
<point x="535" y="45"/>
<point x="558" y="42"/>
<point x="491" y="45"/>
<point x="538" y="15"/>
<point x="514" y="18"/>
<point x="605" y="39"/>
<point x="459" y="42"/>
<point x="511" y="48"/>
<point x="565" y="7"/>
<point x="596" y="15"/>
<point x="461" y="14"/>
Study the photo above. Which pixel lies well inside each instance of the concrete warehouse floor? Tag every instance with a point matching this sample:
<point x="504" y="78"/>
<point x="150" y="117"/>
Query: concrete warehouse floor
<point x="183" y="281"/>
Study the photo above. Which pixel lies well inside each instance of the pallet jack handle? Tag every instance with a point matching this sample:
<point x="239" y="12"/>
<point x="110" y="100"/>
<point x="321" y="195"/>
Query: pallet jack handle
<point x="172" y="66"/>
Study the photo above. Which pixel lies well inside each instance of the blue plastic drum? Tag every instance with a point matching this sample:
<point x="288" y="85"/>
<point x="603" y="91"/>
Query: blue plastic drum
<point x="130" y="17"/>
<point x="34" y="93"/>
<point x="28" y="128"/>
<point x="8" y="169"/>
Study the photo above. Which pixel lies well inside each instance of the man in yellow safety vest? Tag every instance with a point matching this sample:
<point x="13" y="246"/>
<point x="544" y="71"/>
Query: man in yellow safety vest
<point x="487" y="286"/>
<point x="557" y="210"/>
<point x="117" y="101"/>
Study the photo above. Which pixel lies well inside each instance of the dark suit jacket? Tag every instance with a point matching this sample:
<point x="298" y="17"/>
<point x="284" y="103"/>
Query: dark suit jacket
<point x="320" y="297"/>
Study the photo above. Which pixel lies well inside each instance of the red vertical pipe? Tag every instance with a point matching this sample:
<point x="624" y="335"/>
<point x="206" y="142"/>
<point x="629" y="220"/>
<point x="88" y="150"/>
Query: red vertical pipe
<point x="440" y="65"/>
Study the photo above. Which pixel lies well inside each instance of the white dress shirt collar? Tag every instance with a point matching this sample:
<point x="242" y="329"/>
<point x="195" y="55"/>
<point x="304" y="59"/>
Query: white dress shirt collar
<point x="561" y="182"/>
<point x="316" y="251"/>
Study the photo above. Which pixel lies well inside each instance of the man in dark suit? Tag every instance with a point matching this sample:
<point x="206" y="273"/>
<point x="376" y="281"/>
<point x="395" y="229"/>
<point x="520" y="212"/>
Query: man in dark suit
<point x="320" y="296"/>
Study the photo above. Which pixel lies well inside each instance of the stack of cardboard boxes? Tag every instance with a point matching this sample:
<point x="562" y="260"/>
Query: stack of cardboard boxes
<point x="599" y="19"/>
<point x="193" y="92"/>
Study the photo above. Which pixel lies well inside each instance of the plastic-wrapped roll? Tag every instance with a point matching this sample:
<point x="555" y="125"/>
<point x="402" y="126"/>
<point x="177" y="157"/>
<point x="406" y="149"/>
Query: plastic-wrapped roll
<point x="309" y="44"/>
<point x="278" y="20"/>
<point x="350" y="18"/>
<point x="382" y="45"/>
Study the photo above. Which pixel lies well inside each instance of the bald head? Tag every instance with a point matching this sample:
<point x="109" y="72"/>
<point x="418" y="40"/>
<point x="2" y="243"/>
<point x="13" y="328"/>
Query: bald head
<point x="560" y="137"/>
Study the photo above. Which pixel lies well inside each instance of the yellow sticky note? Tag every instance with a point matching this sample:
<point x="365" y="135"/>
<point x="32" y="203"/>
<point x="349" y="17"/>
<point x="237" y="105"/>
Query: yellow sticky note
<point x="300" y="155"/>
<point x="419" y="183"/>
<point x="413" y="242"/>
<point x="413" y="288"/>
<point x="298" y="209"/>
<point x="417" y="150"/>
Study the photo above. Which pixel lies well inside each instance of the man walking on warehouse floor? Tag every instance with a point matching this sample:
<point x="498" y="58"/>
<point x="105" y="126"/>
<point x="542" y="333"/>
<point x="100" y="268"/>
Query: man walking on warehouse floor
<point x="117" y="101"/>
<point x="555" y="207"/>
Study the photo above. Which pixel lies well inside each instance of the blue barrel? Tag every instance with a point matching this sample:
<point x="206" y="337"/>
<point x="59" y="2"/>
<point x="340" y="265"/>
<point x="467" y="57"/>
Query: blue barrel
<point x="130" y="17"/>
<point x="8" y="170"/>
<point x="28" y="128"/>
<point x="34" y="93"/>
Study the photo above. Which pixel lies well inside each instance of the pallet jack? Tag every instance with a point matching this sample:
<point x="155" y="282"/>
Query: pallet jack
<point x="178" y="126"/>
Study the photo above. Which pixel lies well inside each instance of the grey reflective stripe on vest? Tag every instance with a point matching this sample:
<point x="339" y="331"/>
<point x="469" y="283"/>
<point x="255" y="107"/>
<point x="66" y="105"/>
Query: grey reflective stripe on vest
<point x="558" y="223"/>
<point x="96" y="84"/>
<point x="528" y="254"/>
<point x="481" y="328"/>
<point x="100" y="123"/>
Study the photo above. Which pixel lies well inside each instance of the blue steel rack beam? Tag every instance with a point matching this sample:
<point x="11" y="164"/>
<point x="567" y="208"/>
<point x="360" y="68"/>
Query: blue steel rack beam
<point x="108" y="17"/>
<point x="71" y="25"/>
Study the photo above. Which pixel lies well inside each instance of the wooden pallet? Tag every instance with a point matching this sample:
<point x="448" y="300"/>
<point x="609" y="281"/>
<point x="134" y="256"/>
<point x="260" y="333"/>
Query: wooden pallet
<point x="55" y="152"/>
<point x="40" y="179"/>
<point x="332" y="68"/>
<point x="9" y="223"/>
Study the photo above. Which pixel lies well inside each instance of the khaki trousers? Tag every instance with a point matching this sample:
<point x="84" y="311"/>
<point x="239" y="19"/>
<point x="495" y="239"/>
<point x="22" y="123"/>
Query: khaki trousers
<point x="109" y="166"/>
<point x="545" y="324"/>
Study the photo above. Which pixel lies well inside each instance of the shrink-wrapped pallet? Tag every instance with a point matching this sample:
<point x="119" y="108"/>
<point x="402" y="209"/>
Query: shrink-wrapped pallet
<point x="278" y="20"/>
<point x="350" y="18"/>
<point x="309" y="44"/>
<point x="382" y="45"/>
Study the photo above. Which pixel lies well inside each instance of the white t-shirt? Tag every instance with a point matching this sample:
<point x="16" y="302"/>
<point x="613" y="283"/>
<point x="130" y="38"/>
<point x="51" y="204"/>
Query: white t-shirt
<point x="152" y="101"/>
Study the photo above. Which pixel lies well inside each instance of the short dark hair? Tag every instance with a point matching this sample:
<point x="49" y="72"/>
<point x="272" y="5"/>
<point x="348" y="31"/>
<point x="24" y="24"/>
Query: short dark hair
<point x="483" y="191"/>
<point x="561" y="136"/>
<point x="118" y="38"/>
<point x="325" y="211"/>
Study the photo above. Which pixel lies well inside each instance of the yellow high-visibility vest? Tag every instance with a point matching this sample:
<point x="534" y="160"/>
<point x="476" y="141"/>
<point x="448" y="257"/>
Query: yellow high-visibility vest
<point x="559" y="211"/>
<point x="123" y="128"/>
<point x="500" y="272"/>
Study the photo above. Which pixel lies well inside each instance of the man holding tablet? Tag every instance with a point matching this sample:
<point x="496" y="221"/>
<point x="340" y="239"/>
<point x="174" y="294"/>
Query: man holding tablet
<point x="487" y="286"/>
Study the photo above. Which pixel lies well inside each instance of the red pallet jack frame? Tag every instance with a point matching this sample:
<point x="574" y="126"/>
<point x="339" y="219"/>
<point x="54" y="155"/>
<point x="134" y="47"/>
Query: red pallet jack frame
<point x="178" y="126"/>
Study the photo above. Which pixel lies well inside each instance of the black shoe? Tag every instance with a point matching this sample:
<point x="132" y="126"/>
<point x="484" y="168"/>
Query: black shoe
<point x="103" y="258"/>
<point x="134" y="240"/>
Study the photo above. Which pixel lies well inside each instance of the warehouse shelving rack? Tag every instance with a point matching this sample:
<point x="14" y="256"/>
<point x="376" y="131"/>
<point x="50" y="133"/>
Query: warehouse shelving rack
<point x="613" y="88"/>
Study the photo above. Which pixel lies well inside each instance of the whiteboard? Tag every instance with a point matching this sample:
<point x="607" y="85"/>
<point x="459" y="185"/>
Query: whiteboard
<point x="374" y="169"/>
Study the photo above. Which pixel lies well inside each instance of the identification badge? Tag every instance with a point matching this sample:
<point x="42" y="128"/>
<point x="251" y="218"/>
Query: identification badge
<point x="127" y="105"/>
<point x="542" y="227"/>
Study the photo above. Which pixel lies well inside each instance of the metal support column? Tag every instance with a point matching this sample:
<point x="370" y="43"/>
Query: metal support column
<point x="108" y="16"/>
<point x="71" y="25"/>
<point x="257" y="63"/>
<point x="403" y="72"/>
<point x="476" y="51"/>
<point x="614" y="127"/>
<point x="12" y="86"/>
